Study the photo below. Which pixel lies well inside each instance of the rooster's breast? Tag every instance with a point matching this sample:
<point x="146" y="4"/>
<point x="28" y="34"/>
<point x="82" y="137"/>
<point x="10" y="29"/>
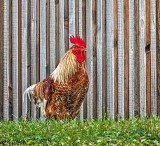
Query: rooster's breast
<point x="68" y="97"/>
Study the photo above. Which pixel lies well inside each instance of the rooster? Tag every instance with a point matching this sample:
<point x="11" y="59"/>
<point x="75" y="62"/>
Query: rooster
<point x="61" y="94"/>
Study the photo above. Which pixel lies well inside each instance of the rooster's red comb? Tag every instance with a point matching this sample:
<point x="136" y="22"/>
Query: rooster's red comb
<point x="78" y="41"/>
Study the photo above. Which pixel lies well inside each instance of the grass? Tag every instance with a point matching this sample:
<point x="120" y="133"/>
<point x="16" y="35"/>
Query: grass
<point x="141" y="132"/>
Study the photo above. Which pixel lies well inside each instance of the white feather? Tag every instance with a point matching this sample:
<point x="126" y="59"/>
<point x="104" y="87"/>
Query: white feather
<point x="29" y="92"/>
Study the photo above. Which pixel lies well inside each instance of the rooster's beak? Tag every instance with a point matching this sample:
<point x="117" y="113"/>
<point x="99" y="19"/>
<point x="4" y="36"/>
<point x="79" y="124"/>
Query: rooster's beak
<point x="84" y="49"/>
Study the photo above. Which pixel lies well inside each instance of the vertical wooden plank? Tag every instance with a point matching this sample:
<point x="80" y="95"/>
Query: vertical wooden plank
<point x="158" y="55"/>
<point x="47" y="37"/>
<point x="72" y="24"/>
<point x="38" y="40"/>
<point x="94" y="59"/>
<point x="77" y="17"/>
<point x="148" y="60"/>
<point x="52" y="37"/>
<point x="29" y="51"/>
<point x="66" y="24"/>
<point x="120" y="58"/>
<point x="131" y="58"/>
<point x="99" y="58"/>
<point x="110" y="57"/>
<point x="42" y="39"/>
<point x="61" y="28"/>
<point x="15" y="57"/>
<point x="2" y="59"/>
<point x="38" y="47"/>
<point x="126" y="58"/>
<point x="24" y="55"/>
<point x="104" y="81"/>
<point x="142" y="43"/>
<point x="6" y="61"/>
<point x="136" y="62"/>
<point x="19" y="57"/>
<point x="84" y="37"/>
<point x="116" y="58"/>
<point x="81" y="35"/>
<point x="84" y="19"/>
<point x="153" y="58"/>
<point x="33" y="53"/>
<point x="148" y="81"/>
<point x="57" y="31"/>
<point x="10" y="88"/>
<point x="89" y="57"/>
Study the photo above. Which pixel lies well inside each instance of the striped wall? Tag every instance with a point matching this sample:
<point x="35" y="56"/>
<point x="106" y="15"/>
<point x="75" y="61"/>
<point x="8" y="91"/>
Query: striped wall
<point x="123" y="53"/>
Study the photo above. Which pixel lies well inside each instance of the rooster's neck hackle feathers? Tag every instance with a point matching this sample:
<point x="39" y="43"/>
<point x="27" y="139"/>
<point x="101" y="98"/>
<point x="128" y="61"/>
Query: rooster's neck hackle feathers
<point x="66" y="68"/>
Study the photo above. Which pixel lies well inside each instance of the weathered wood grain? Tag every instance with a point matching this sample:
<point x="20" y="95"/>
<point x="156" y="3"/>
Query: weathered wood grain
<point x="136" y="62"/>
<point x="33" y="53"/>
<point x="116" y="58"/>
<point x="126" y="58"/>
<point x="61" y="29"/>
<point x="2" y="59"/>
<point x="72" y="19"/>
<point x="43" y="52"/>
<point x="99" y="58"/>
<point x="57" y="30"/>
<point x="121" y="58"/>
<point x="20" y="57"/>
<point x="47" y="37"/>
<point x="66" y="24"/>
<point x="38" y="40"/>
<point x="148" y="60"/>
<point x="15" y="58"/>
<point x="80" y="34"/>
<point x="153" y="58"/>
<point x="52" y="36"/>
<point x="94" y="70"/>
<point x="24" y="55"/>
<point x="84" y="37"/>
<point x="10" y="88"/>
<point x="38" y="47"/>
<point x="131" y="58"/>
<point x="104" y="72"/>
<point x="142" y="66"/>
<point x="42" y="39"/>
<point x="89" y="57"/>
<point x="158" y="55"/>
<point x="5" y="44"/>
<point x="110" y="57"/>
<point x="77" y="17"/>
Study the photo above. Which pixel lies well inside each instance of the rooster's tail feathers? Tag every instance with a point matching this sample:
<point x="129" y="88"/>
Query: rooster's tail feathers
<point x="28" y="91"/>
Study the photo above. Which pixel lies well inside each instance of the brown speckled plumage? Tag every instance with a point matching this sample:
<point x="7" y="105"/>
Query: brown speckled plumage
<point x="68" y="97"/>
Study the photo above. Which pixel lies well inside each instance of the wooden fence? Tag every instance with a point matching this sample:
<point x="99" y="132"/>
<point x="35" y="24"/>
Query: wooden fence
<point x="124" y="74"/>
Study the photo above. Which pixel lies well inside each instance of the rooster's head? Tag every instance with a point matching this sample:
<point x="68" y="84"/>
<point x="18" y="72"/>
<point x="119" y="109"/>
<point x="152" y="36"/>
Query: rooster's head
<point x="79" y="48"/>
